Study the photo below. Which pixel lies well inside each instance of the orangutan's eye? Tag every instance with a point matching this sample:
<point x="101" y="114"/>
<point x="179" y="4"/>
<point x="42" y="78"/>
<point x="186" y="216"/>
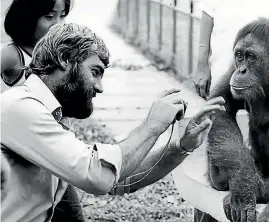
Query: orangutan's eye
<point x="239" y="57"/>
<point x="251" y="56"/>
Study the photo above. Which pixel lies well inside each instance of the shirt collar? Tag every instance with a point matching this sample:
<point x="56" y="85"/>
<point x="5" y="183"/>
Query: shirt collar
<point x="43" y="93"/>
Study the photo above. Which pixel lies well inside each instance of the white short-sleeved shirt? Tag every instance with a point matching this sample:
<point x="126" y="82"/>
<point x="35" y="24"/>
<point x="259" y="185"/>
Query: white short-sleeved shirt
<point x="229" y="17"/>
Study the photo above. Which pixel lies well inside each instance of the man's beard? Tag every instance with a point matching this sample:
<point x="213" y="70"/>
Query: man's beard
<point x="74" y="97"/>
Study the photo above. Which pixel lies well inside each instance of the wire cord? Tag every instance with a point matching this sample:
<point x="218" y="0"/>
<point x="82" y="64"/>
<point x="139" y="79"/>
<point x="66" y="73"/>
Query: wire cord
<point x="147" y="172"/>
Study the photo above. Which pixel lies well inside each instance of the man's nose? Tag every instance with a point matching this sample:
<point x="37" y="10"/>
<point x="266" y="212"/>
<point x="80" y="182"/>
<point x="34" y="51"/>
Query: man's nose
<point x="98" y="86"/>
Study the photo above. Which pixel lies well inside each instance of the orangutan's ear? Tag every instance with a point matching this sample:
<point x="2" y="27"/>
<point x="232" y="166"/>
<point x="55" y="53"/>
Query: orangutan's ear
<point x="63" y="63"/>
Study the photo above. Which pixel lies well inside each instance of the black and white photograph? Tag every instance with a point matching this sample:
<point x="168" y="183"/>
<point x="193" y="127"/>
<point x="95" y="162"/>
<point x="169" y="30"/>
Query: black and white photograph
<point x="134" y="111"/>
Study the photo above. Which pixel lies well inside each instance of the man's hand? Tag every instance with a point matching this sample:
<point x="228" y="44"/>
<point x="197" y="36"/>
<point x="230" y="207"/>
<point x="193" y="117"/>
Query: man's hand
<point x="164" y="110"/>
<point x="202" y="80"/>
<point x="200" y="124"/>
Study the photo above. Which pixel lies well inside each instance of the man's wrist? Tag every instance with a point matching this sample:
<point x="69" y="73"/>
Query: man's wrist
<point x="152" y="128"/>
<point x="182" y="149"/>
<point x="122" y="188"/>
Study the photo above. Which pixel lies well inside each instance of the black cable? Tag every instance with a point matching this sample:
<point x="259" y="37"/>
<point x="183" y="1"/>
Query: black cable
<point x="151" y="168"/>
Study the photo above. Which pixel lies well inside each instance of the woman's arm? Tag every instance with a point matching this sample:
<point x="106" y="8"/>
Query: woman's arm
<point x="11" y="67"/>
<point x="202" y="78"/>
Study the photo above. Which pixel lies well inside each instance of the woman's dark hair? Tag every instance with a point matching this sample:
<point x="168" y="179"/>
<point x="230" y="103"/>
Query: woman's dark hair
<point x="22" y="15"/>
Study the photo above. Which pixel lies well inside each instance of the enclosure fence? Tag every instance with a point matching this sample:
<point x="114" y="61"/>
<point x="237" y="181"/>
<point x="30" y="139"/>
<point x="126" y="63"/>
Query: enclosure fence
<point x="163" y="29"/>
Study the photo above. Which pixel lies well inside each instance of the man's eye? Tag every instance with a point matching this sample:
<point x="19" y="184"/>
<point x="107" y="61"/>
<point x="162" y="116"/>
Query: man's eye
<point x="95" y="72"/>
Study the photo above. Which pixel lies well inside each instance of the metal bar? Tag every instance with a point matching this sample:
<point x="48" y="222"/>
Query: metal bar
<point x="119" y="7"/>
<point x="137" y="17"/>
<point x="127" y="15"/>
<point x="174" y="40"/>
<point x="190" y="66"/>
<point x="148" y="21"/>
<point x="161" y="26"/>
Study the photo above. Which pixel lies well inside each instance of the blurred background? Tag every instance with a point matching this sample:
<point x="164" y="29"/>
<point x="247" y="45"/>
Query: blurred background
<point x="153" y="45"/>
<point x="168" y="29"/>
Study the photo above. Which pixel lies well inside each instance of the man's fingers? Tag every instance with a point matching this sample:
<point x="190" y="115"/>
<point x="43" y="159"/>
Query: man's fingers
<point x="218" y="100"/>
<point x="212" y="115"/>
<point x="184" y="105"/>
<point x="202" y="126"/>
<point x="180" y="108"/>
<point x="208" y="109"/>
<point x="175" y="98"/>
<point x="180" y="112"/>
<point x="170" y="91"/>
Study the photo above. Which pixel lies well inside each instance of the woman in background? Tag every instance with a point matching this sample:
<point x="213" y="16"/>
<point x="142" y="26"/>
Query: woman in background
<point x="221" y="20"/>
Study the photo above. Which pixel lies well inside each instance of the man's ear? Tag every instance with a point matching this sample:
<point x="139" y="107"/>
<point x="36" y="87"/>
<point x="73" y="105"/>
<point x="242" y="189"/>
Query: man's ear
<point x="63" y="63"/>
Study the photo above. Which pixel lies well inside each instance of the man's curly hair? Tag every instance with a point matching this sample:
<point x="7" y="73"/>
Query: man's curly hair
<point x="68" y="42"/>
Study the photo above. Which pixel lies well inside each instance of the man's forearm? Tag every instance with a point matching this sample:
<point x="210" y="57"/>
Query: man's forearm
<point x="135" y="147"/>
<point x="173" y="156"/>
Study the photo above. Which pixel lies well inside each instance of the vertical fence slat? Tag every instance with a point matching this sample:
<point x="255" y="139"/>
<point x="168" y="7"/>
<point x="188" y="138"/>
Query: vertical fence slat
<point x="174" y="36"/>
<point x="118" y="9"/>
<point x="148" y="20"/>
<point x="190" y="67"/>
<point x="137" y="17"/>
<point x="127" y="15"/>
<point x="161" y="25"/>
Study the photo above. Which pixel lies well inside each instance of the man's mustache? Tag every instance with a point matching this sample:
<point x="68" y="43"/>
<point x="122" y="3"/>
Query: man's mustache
<point x="92" y="93"/>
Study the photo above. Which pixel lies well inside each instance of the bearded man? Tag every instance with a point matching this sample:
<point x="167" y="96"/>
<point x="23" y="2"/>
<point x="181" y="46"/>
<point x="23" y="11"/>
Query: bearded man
<point x="42" y="157"/>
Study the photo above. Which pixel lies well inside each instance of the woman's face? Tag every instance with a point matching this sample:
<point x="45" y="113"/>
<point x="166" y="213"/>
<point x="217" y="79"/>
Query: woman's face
<point x="57" y="15"/>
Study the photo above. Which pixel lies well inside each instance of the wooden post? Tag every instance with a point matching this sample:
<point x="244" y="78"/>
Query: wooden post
<point x="119" y="8"/>
<point x="161" y="25"/>
<point x="127" y="17"/>
<point x="137" y="17"/>
<point x="190" y="67"/>
<point x="148" y="21"/>
<point x="174" y="40"/>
